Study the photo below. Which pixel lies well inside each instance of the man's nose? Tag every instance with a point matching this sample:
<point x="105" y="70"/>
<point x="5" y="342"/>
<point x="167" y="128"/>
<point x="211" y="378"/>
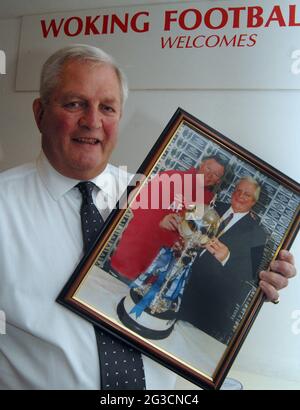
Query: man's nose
<point x="243" y="194"/>
<point x="91" y="118"/>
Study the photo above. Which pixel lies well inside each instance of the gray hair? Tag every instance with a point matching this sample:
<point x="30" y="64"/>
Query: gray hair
<point x="53" y="66"/>
<point x="254" y="182"/>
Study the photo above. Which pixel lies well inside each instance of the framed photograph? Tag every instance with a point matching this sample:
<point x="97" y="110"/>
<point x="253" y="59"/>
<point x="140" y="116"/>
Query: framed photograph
<point x="174" y="271"/>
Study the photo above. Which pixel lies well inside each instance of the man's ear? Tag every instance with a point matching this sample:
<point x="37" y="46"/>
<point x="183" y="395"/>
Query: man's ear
<point x="38" y="111"/>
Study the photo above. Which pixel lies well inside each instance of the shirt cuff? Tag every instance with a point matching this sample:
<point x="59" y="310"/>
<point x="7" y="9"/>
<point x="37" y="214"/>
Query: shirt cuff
<point x="225" y="260"/>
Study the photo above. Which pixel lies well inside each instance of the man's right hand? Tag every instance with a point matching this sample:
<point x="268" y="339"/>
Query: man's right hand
<point x="170" y="222"/>
<point x="218" y="250"/>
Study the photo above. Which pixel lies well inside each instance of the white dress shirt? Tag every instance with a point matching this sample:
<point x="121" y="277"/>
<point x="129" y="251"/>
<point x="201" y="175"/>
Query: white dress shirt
<point x="236" y="217"/>
<point x="46" y="346"/>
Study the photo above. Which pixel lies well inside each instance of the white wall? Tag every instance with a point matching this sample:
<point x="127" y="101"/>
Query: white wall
<point x="264" y="122"/>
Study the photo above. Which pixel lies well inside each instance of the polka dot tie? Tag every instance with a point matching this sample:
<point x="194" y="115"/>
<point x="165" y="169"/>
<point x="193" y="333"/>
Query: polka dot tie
<point x="91" y="220"/>
<point x="121" y="367"/>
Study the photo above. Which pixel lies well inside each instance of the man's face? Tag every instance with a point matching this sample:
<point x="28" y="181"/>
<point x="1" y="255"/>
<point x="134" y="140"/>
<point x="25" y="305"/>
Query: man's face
<point x="79" y="124"/>
<point x="212" y="172"/>
<point x="242" y="199"/>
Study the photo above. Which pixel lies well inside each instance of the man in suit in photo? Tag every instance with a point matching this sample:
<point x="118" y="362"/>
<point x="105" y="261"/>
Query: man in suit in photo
<point x="226" y="271"/>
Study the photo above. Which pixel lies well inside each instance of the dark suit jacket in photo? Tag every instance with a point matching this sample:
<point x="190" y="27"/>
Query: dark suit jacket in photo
<point x="215" y="293"/>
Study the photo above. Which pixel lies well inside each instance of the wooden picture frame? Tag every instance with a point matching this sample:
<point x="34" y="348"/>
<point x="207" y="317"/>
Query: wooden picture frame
<point x="187" y="334"/>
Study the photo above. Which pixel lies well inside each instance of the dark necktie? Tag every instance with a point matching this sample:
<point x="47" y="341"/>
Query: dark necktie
<point x="91" y="220"/>
<point x="224" y="223"/>
<point x="121" y="367"/>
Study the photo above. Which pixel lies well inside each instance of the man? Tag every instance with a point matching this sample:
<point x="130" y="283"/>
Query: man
<point x="153" y="227"/>
<point x="46" y="346"/>
<point x="78" y="114"/>
<point x="225" y="273"/>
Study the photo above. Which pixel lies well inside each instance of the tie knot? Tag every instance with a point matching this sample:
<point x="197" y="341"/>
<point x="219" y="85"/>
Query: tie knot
<point x="86" y="188"/>
<point x="228" y="218"/>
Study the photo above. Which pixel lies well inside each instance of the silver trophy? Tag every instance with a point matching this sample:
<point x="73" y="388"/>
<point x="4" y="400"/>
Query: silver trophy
<point x="151" y="307"/>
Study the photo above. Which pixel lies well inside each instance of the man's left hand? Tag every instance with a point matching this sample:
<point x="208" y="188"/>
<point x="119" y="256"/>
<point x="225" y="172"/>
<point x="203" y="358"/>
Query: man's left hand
<point x="281" y="270"/>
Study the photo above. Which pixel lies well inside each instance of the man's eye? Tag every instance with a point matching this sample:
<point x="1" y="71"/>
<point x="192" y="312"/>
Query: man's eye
<point x="107" y="108"/>
<point x="73" y="105"/>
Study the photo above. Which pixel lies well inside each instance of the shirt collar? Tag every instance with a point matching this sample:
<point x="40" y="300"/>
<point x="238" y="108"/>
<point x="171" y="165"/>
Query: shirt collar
<point x="235" y="214"/>
<point x="58" y="185"/>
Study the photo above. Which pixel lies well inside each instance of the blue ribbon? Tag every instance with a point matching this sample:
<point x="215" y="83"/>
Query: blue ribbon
<point x="160" y="267"/>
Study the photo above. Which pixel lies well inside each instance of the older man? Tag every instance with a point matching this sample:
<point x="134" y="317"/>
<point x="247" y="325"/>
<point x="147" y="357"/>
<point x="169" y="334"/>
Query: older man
<point x="226" y="272"/>
<point x="78" y="113"/>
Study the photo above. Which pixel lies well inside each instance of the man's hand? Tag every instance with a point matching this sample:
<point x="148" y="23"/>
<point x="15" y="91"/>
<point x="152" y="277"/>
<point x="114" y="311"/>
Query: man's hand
<point x="276" y="278"/>
<point x="217" y="249"/>
<point x="170" y="222"/>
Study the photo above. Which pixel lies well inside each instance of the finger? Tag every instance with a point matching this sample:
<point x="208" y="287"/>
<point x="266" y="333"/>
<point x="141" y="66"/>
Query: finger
<point x="175" y="221"/>
<point x="212" y="246"/>
<point x="210" y="249"/>
<point x="172" y="226"/>
<point x="284" y="268"/>
<point x="219" y="245"/>
<point x="167" y="225"/>
<point x="216" y="247"/>
<point x="286" y="256"/>
<point x="215" y="240"/>
<point x="274" y="279"/>
<point x="270" y="292"/>
<point x="212" y="242"/>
